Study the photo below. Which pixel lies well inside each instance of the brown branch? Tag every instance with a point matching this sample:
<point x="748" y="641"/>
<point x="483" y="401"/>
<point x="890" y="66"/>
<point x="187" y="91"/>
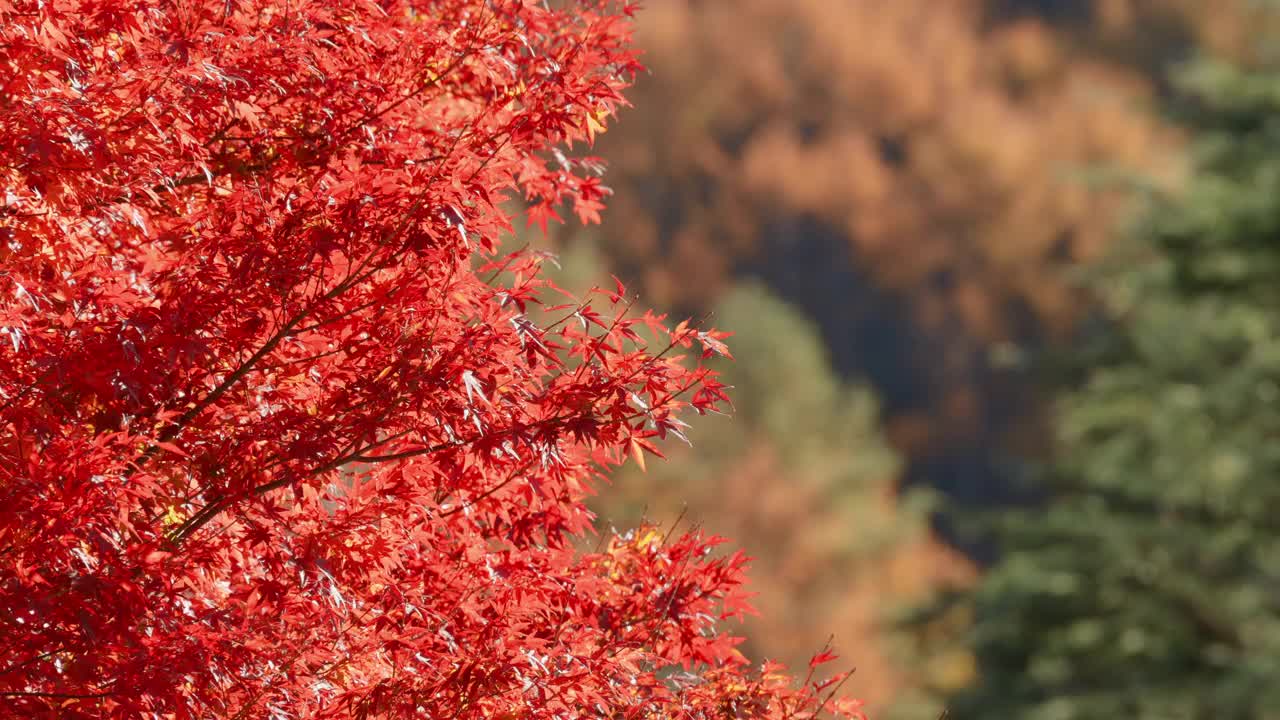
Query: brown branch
<point x="53" y="695"/>
<point x="487" y="493"/>
<point x="219" y="504"/>
<point x="403" y="455"/>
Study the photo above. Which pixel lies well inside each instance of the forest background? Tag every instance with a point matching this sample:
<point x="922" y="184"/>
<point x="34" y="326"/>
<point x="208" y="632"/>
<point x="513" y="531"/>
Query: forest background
<point x="898" y="208"/>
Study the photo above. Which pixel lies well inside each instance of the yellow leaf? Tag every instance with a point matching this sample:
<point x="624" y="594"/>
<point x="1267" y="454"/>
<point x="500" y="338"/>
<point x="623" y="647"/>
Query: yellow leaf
<point x="651" y="537"/>
<point x="595" y="125"/>
<point x="172" y="516"/>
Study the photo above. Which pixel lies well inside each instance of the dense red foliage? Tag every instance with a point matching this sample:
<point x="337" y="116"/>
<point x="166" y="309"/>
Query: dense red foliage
<point x="279" y="439"/>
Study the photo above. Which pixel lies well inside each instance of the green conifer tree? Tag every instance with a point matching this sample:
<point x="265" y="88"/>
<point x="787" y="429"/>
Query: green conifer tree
<point x="1147" y="586"/>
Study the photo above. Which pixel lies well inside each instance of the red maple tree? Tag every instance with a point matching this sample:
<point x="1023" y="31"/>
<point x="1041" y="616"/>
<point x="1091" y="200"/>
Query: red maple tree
<point x="281" y="435"/>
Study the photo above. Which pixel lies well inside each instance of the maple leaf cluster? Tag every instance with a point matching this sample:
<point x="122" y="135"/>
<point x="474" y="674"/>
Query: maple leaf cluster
<point x="282" y="437"/>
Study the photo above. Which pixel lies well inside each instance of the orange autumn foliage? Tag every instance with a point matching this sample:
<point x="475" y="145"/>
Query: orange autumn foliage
<point x="934" y="145"/>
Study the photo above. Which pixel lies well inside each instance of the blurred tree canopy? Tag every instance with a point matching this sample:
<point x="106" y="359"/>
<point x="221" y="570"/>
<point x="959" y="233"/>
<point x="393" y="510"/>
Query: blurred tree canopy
<point x="911" y="175"/>
<point x="925" y="137"/>
<point x="801" y="472"/>
<point x="1149" y="587"/>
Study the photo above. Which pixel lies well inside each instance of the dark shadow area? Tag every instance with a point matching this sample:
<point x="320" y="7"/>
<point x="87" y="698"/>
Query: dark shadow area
<point x="873" y="334"/>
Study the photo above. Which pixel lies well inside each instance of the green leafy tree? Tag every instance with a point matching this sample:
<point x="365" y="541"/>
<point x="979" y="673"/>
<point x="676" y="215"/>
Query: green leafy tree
<point x="1147" y="586"/>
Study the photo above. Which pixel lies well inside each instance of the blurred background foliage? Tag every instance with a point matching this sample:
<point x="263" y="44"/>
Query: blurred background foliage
<point x="1148" y="585"/>
<point x="802" y="476"/>
<point x="1002" y="277"/>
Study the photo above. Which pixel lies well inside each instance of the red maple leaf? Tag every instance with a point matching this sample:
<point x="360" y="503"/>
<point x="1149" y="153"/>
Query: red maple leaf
<point x="274" y="447"/>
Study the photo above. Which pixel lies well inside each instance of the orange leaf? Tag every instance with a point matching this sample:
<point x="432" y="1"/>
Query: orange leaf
<point x="637" y="452"/>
